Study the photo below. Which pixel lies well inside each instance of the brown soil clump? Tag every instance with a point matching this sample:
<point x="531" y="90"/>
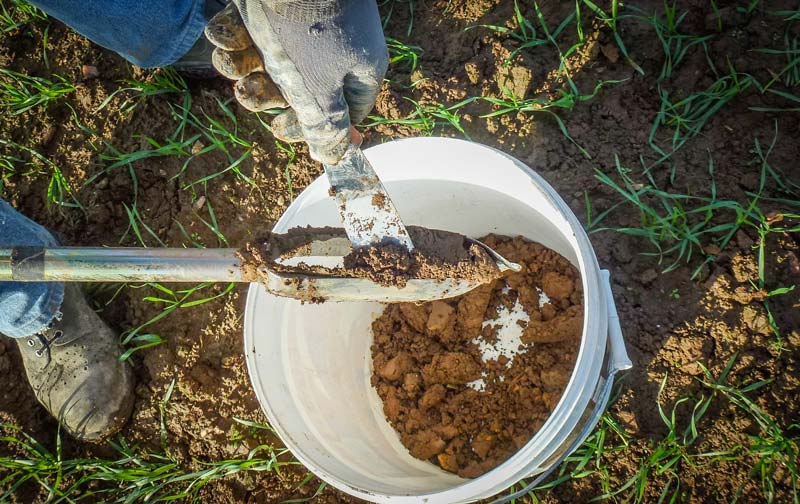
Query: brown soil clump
<point x="438" y="255"/>
<point x="459" y="392"/>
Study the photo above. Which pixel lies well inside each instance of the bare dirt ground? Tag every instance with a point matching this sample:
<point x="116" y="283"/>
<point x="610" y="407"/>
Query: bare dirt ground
<point x="675" y="325"/>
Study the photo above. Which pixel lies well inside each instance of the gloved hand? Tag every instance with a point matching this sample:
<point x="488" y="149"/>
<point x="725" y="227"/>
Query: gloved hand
<point x="323" y="58"/>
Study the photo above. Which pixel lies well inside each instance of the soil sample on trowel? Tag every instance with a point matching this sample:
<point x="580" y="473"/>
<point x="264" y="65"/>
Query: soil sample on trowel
<point x="466" y="382"/>
<point x="439" y="255"/>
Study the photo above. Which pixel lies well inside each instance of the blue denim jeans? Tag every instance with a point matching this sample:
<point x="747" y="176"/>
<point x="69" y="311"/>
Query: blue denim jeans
<point x="26" y="308"/>
<point x="148" y="33"/>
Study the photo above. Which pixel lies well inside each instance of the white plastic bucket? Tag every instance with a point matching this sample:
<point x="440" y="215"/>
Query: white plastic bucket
<point x="310" y="364"/>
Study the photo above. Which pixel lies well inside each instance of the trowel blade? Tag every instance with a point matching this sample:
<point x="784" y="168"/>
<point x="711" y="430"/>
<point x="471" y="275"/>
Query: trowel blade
<point x="334" y="289"/>
<point x="369" y="216"/>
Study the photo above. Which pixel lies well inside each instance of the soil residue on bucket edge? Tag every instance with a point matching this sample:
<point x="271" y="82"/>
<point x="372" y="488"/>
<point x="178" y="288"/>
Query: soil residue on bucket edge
<point x="438" y="255"/>
<point x="468" y="381"/>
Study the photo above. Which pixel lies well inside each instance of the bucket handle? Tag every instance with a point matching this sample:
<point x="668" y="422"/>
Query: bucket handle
<point x="618" y="360"/>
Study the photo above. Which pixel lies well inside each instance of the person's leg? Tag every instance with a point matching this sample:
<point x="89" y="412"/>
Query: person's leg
<point x="26" y="308"/>
<point x="71" y="357"/>
<point x="148" y="33"/>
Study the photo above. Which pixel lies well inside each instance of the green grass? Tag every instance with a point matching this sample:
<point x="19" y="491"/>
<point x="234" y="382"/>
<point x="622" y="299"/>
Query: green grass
<point x="59" y="194"/>
<point x="389" y="6"/>
<point x="290" y="151"/>
<point x="527" y="36"/>
<point x="15" y="14"/>
<point x="524" y="34"/>
<point x="663" y="462"/>
<point x="21" y="93"/>
<point x="567" y="101"/>
<point x="687" y="116"/>
<point x="8" y="169"/>
<point x="679" y="226"/>
<point x="162" y="81"/>
<point x="170" y="301"/>
<point x="675" y="44"/>
<point x="612" y="19"/>
<point x="216" y="134"/>
<point x="671" y="455"/>
<point x="403" y="56"/>
<point x="789" y="75"/>
<point x="793" y="101"/>
<point x="781" y="224"/>
<point x="773" y="446"/>
<point x="131" y="475"/>
<point x="194" y="136"/>
<point x="426" y="117"/>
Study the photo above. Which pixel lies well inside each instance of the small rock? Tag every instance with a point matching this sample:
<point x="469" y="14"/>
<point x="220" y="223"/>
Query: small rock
<point x="197" y="147"/>
<point x="610" y="51"/>
<point x="440" y="317"/>
<point x="647" y="276"/>
<point x="432" y="397"/>
<point x="755" y="320"/>
<point x="89" y="72"/>
<point x="621" y="252"/>
<point x="199" y="203"/>
<point x="712" y="249"/>
<point x="473" y="74"/>
<point x="49" y="134"/>
<point x="774" y="216"/>
<point x="448" y="462"/>
<point x="411" y="382"/>
<point x="628" y="421"/>
<point x="794" y="338"/>
<point x="397" y="367"/>
<point x="482" y="443"/>
<point x="162" y="172"/>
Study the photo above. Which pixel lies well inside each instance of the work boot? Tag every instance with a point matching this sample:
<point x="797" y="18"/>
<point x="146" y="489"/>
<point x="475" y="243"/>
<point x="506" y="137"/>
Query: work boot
<point x="74" y="370"/>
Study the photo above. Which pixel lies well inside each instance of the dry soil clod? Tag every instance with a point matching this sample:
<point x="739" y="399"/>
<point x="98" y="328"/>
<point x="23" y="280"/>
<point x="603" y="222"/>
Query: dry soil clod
<point x="448" y="401"/>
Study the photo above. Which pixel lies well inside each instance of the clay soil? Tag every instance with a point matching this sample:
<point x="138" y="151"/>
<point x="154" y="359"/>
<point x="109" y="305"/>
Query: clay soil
<point x="465" y="392"/>
<point x="675" y="325"/>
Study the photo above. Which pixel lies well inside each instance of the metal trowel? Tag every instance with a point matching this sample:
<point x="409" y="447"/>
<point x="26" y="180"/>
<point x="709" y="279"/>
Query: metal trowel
<point x="367" y="212"/>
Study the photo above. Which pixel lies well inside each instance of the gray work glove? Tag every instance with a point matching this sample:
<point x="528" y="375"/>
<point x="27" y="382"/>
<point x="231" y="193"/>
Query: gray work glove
<point x="326" y="60"/>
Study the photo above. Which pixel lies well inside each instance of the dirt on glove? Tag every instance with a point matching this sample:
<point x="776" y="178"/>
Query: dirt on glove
<point x="438" y="255"/>
<point x="467" y="382"/>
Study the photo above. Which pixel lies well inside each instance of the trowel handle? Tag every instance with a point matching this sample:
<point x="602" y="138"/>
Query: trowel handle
<point x="76" y="264"/>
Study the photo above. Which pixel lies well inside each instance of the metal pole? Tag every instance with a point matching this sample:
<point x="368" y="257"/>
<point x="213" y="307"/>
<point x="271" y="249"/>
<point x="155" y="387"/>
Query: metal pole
<point x="79" y="264"/>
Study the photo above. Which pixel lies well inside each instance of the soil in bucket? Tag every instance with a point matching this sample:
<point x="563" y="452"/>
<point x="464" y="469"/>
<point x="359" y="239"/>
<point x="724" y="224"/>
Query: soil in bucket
<point x="466" y="382"/>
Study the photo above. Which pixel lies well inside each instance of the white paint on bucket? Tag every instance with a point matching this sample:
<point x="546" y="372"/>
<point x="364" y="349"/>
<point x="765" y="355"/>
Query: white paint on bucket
<point x="479" y="384"/>
<point x="543" y="299"/>
<point x="509" y="334"/>
<point x="311" y="365"/>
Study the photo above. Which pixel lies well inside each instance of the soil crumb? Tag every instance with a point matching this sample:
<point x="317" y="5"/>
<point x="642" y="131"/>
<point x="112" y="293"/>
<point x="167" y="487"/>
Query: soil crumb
<point x="438" y="255"/>
<point x="379" y="200"/>
<point x="468" y="381"/>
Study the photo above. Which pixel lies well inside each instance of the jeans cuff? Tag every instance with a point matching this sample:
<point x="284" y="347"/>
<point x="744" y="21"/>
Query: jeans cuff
<point x="196" y="24"/>
<point x="48" y="311"/>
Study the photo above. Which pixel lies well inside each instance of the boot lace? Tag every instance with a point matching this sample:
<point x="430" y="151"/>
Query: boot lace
<point x="44" y="341"/>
